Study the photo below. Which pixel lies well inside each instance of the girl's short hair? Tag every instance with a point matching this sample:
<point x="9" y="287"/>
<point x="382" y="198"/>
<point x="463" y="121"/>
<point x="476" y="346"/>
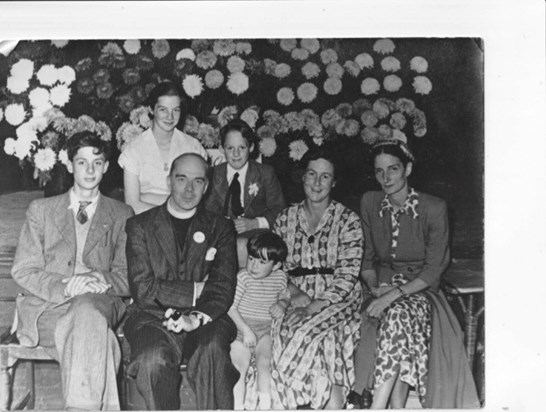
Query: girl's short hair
<point x="168" y="88"/>
<point x="87" y="139"/>
<point x="267" y="245"/>
<point x="393" y="147"/>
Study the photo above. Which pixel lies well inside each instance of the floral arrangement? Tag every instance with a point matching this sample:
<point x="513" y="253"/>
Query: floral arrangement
<point x="296" y="93"/>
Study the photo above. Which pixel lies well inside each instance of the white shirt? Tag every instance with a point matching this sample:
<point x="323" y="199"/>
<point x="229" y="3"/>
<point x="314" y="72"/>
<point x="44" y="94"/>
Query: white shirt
<point x="262" y="221"/>
<point x="75" y="204"/>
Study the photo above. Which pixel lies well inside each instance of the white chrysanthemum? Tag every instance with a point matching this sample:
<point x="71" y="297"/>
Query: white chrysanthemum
<point x="127" y="133"/>
<point x="111" y="48"/>
<point x="24" y="68"/>
<point x="300" y="53"/>
<point x="63" y="157"/>
<point x="237" y="83"/>
<point x="310" y="70"/>
<point x="22" y="148"/>
<point x="288" y="44"/>
<point x="364" y="61"/>
<point x="369" y="86"/>
<point x="235" y="64"/>
<point x="44" y="159"/>
<point x="307" y="92"/>
<point x="160" y="48"/>
<point x="332" y="86"/>
<point x="390" y="64"/>
<point x="335" y="70"/>
<point x="66" y="75"/>
<point x="226" y="115"/>
<point x="214" y="79"/>
<point x="384" y="46"/>
<point x="38" y="123"/>
<point x="312" y="45"/>
<point x="26" y="132"/>
<point x="186" y="54"/>
<point x="243" y="47"/>
<point x="9" y="146"/>
<point x="352" y="68"/>
<point x="250" y="116"/>
<point x="268" y="146"/>
<point x="132" y="46"/>
<point x="59" y="43"/>
<point x="419" y="64"/>
<point x="59" y="95"/>
<point x="328" y="56"/>
<point x="39" y="111"/>
<point x="47" y="75"/>
<point x="17" y="85"/>
<point x="193" y="85"/>
<point x="224" y="47"/>
<point x="285" y="96"/>
<point x="422" y="85"/>
<point x="392" y="83"/>
<point x="282" y="70"/>
<point x="298" y="148"/>
<point x="15" y="114"/>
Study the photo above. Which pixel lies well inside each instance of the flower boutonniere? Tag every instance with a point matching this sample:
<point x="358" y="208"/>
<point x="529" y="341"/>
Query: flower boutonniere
<point x="253" y="189"/>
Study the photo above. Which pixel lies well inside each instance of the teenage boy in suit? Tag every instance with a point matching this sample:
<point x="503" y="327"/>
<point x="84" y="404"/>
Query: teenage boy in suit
<point x="70" y="259"/>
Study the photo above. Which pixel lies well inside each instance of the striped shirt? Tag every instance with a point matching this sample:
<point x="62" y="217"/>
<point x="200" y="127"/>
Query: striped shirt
<point x="254" y="297"/>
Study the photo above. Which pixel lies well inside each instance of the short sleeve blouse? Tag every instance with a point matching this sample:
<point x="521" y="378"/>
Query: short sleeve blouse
<point x="142" y="157"/>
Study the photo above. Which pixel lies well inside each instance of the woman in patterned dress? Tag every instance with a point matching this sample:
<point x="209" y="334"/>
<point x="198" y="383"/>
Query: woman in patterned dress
<point x="313" y="345"/>
<point x="410" y="337"/>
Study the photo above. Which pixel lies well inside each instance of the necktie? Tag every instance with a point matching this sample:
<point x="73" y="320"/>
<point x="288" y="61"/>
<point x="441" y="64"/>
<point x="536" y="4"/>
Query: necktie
<point x="81" y="216"/>
<point x="235" y="194"/>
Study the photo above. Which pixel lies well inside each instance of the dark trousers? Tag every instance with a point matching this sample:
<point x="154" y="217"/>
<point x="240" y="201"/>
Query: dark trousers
<point x="156" y="354"/>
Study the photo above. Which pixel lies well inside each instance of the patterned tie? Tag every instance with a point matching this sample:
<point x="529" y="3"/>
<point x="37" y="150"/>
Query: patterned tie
<point x="235" y="193"/>
<point x="81" y="216"/>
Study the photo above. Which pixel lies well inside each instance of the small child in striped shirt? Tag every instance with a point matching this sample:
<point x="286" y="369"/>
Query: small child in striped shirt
<point x="261" y="295"/>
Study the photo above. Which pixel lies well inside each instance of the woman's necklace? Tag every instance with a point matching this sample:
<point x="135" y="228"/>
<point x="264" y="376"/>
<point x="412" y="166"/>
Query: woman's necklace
<point x="164" y="151"/>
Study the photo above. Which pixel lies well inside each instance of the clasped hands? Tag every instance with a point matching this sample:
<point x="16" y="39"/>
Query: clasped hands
<point x="382" y="300"/>
<point x="186" y="323"/>
<point x="89" y="282"/>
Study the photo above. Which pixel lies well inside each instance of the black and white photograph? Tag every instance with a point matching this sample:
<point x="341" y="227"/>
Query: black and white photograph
<point x="271" y="205"/>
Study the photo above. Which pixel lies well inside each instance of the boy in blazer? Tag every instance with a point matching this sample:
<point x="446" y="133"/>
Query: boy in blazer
<point x="242" y="189"/>
<point x="70" y="259"/>
<point x="181" y="257"/>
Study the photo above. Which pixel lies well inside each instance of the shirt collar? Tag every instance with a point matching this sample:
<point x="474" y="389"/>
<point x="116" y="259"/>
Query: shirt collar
<point x="75" y="203"/>
<point x="179" y="215"/>
<point x="409" y="207"/>
<point x="231" y="171"/>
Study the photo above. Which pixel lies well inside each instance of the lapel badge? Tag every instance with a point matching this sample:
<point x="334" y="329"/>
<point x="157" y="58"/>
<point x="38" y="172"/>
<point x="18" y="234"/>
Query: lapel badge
<point x="199" y="237"/>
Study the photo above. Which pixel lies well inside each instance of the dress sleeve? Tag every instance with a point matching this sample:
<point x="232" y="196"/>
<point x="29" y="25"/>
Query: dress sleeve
<point x="369" y="252"/>
<point x="437" y="253"/>
<point x="349" y="259"/>
<point x="129" y="159"/>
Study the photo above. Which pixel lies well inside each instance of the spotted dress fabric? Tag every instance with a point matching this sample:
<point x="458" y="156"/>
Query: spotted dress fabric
<point x="406" y="326"/>
<point x="316" y="353"/>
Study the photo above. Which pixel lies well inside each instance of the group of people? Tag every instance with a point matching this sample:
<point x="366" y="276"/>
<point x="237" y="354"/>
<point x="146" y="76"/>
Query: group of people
<point x="264" y="303"/>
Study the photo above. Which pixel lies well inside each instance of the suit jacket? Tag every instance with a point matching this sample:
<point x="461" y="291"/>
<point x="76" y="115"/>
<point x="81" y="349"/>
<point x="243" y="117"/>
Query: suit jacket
<point x="423" y="243"/>
<point x="154" y="272"/>
<point x="46" y="254"/>
<point x="266" y="202"/>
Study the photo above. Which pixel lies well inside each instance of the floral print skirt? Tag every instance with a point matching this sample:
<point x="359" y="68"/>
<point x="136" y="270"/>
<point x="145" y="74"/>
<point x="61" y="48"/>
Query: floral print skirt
<point x="403" y="341"/>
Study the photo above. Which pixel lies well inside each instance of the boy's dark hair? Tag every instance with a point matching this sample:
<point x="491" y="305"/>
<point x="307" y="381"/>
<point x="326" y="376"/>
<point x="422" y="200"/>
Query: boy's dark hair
<point x="267" y="245"/>
<point x="246" y="131"/>
<point x="87" y="139"/>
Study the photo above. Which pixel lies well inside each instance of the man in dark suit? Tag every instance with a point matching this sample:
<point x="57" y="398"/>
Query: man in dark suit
<point x="181" y="257"/>
<point x="71" y="262"/>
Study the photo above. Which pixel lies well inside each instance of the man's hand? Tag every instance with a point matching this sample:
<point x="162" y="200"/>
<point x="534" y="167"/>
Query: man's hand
<point x="244" y="225"/>
<point x="297" y="314"/>
<point x="186" y="323"/>
<point x="86" y="283"/>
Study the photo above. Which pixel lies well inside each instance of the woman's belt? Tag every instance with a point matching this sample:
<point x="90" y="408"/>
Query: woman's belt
<point x="310" y="271"/>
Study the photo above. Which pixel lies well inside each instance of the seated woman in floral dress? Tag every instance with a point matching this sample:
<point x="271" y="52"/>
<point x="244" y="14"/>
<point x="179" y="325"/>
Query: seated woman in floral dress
<point x="313" y="345"/>
<point x="410" y="336"/>
<point x="147" y="159"/>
